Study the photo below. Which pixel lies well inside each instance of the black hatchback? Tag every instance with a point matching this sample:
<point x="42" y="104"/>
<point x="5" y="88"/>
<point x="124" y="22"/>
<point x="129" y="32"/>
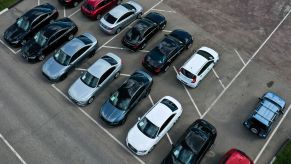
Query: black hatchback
<point x="116" y="109"/>
<point x="48" y="39"/>
<point x="29" y="23"/>
<point x="193" y="145"/>
<point x="137" y="37"/>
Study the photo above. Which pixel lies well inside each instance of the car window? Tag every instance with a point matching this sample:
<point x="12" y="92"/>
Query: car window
<point x="79" y="53"/>
<point x="105" y="75"/>
<point x="38" y="20"/>
<point x="148" y="31"/>
<point x="138" y="93"/>
<point x="204" y="68"/>
<point x="125" y="16"/>
<point x="56" y="36"/>
<point x="103" y="3"/>
<point x="166" y="123"/>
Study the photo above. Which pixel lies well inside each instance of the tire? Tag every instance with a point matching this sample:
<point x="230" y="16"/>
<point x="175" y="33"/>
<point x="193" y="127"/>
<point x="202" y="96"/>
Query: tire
<point x="163" y="26"/>
<point x="91" y="100"/>
<point x="116" y="75"/>
<point x="51" y="21"/>
<point x="70" y="37"/>
<point x="91" y="54"/>
<point x="147" y="93"/>
<point x="189" y="46"/>
<point x="152" y="148"/>
<point x="98" y="17"/>
<point x="75" y="4"/>
<point x="23" y="42"/>
<point x="63" y="77"/>
<point x="139" y="16"/>
<point x="118" y="31"/>
<point x="41" y="57"/>
<point x="143" y="46"/>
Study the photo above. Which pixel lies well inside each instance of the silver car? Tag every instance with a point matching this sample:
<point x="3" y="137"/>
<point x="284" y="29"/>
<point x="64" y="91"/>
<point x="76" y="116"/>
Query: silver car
<point x="64" y="60"/>
<point x="120" y="16"/>
<point x="104" y="70"/>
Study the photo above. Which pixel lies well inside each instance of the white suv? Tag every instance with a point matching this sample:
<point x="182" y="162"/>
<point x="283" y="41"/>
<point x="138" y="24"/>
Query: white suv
<point x="197" y="67"/>
<point x="151" y="128"/>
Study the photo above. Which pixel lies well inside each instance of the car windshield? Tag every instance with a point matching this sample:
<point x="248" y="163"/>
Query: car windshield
<point x="157" y="57"/>
<point x="120" y="100"/>
<point x="89" y="7"/>
<point x="23" y="23"/>
<point x="183" y="154"/>
<point x="134" y="35"/>
<point x="148" y="128"/>
<point x="89" y="79"/>
<point x="167" y="46"/>
<point x="40" y="39"/>
<point x="62" y="58"/>
<point x="109" y="18"/>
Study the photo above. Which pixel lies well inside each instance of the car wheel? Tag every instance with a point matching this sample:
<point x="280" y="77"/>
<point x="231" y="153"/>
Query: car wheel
<point x="41" y="57"/>
<point x="254" y="130"/>
<point x="118" y="31"/>
<point x="152" y="148"/>
<point x="63" y="77"/>
<point x="116" y="75"/>
<point x="139" y="16"/>
<point x="23" y="42"/>
<point x="143" y="46"/>
<point x="163" y="26"/>
<point x="166" y="68"/>
<point x="91" y="100"/>
<point x="51" y="21"/>
<point x="91" y="54"/>
<point x="75" y="4"/>
<point x="147" y="93"/>
<point x="71" y="36"/>
<point x="98" y="16"/>
<point x="189" y="46"/>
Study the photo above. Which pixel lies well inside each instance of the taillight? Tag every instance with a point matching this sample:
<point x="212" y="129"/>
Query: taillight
<point x="157" y="70"/>
<point x="179" y="71"/>
<point x="193" y="79"/>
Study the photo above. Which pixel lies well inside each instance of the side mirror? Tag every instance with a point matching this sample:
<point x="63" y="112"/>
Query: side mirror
<point x="138" y="118"/>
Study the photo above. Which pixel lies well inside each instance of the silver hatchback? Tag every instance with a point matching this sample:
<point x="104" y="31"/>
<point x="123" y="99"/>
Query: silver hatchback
<point x="104" y="70"/>
<point x="68" y="57"/>
<point x="120" y="16"/>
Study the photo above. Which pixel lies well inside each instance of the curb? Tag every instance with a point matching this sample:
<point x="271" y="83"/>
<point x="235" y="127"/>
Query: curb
<point x="6" y="9"/>
<point x="3" y="11"/>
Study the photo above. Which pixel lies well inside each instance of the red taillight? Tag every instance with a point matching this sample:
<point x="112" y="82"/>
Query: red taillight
<point x="157" y="70"/>
<point x="193" y="79"/>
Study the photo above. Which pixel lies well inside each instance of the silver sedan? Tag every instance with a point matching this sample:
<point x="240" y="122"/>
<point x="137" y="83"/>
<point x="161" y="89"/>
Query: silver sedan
<point x="120" y="16"/>
<point x="64" y="60"/>
<point x="104" y="70"/>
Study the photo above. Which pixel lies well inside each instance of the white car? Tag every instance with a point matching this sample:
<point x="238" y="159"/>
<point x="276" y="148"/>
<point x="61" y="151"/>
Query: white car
<point x="197" y="67"/>
<point x="151" y="127"/>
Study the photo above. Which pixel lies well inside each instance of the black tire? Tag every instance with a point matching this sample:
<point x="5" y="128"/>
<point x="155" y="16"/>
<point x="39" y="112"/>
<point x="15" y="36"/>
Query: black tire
<point x="70" y="37"/>
<point x="98" y="17"/>
<point x="147" y="93"/>
<point x="118" y="31"/>
<point x="116" y="75"/>
<point x="92" y="54"/>
<point x="91" y="100"/>
<point x="41" y="57"/>
<point x="63" y="77"/>
<point x="143" y="46"/>
<point x="139" y="16"/>
<point x="189" y="46"/>
<point x="75" y="4"/>
<point x="163" y="26"/>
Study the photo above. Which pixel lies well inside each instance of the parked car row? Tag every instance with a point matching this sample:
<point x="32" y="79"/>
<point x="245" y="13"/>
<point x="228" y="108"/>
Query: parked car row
<point x="39" y="32"/>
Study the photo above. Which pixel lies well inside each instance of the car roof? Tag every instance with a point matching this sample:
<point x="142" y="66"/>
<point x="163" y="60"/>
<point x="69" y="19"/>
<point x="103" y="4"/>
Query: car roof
<point x="99" y="68"/>
<point x="276" y="98"/>
<point x="195" y="63"/>
<point x="36" y="11"/>
<point x="118" y="11"/>
<point x="266" y="112"/>
<point x="238" y="157"/>
<point x="94" y="2"/>
<point x="71" y="47"/>
<point x="52" y="28"/>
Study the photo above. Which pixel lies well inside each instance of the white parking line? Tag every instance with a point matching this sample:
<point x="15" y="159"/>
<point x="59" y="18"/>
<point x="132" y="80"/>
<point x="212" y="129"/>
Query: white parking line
<point x="64" y="11"/>
<point x="122" y="74"/>
<point x="168" y="11"/>
<point x="112" y="47"/>
<point x="167" y="31"/>
<point x="38" y="2"/>
<point x="243" y="68"/>
<point x="151" y="100"/>
<point x="7" y="46"/>
<point x="239" y="56"/>
<point x="193" y="102"/>
<point x="218" y="78"/>
<point x="12" y="149"/>
<point x="271" y="136"/>
<point x="74" y="13"/>
<point x="80" y="69"/>
<point x="171" y="142"/>
<point x="96" y="123"/>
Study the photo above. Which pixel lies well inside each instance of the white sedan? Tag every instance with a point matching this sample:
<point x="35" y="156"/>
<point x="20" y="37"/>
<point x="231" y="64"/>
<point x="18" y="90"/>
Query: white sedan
<point x="151" y="127"/>
<point x="197" y="67"/>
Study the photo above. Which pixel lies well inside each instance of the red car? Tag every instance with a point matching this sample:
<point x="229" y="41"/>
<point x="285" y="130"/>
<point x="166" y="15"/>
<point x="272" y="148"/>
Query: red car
<point x="96" y="8"/>
<point x="235" y="156"/>
<point x="70" y="3"/>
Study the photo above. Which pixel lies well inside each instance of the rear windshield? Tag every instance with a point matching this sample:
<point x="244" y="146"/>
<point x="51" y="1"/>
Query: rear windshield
<point x="205" y="54"/>
<point x="109" y="18"/>
<point x="187" y="73"/>
<point x="128" y="6"/>
<point x="109" y="59"/>
<point x="169" y="104"/>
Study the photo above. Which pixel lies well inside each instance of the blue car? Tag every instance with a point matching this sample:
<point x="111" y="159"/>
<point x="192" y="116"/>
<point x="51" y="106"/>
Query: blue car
<point x="269" y="108"/>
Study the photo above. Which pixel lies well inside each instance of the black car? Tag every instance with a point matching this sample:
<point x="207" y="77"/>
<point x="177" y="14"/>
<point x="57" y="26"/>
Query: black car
<point x="160" y="58"/>
<point x="137" y="37"/>
<point x="193" y="145"/>
<point x="49" y="38"/>
<point x="116" y="109"/>
<point x="70" y="3"/>
<point x="29" y="23"/>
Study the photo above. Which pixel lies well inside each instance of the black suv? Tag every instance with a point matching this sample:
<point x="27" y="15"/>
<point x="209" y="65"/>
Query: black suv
<point x="268" y="109"/>
<point x="116" y="109"/>
<point x="193" y="145"/>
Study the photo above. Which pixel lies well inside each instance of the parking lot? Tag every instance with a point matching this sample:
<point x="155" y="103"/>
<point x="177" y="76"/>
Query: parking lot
<point x="77" y="135"/>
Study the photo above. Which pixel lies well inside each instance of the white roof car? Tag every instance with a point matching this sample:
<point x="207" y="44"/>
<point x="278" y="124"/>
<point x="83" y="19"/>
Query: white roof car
<point x="197" y="67"/>
<point x="151" y="128"/>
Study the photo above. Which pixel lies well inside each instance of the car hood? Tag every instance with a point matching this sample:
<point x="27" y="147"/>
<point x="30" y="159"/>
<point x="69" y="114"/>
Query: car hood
<point x="14" y="34"/>
<point x="31" y="49"/>
<point x="138" y="140"/>
<point x="53" y="69"/>
<point x="111" y="113"/>
<point x="80" y="91"/>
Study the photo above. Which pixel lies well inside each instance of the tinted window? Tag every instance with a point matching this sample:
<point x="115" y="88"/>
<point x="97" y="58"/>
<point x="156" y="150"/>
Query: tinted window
<point x="109" y="59"/>
<point x="109" y="18"/>
<point x="62" y="58"/>
<point x="166" y="123"/>
<point x="205" y="54"/>
<point x="89" y="7"/>
<point x="169" y="104"/>
<point x="125" y="16"/>
<point x="23" y="23"/>
<point x="204" y="68"/>
<point x="183" y="154"/>
<point x="89" y="79"/>
<point x="148" y="128"/>
<point x="105" y="75"/>
<point x="84" y="39"/>
<point x="120" y="100"/>
<point x="79" y="53"/>
<point x="187" y="73"/>
<point x="128" y="6"/>
<point x="103" y="3"/>
<point x="40" y="39"/>
<point x="38" y="20"/>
